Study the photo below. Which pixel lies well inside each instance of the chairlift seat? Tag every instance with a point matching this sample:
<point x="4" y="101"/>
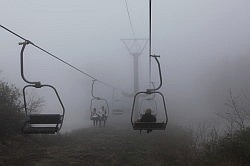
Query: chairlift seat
<point x="44" y="119"/>
<point x="48" y="119"/>
<point x="149" y="126"/>
<point x="40" y="130"/>
<point x="117" y="111"/>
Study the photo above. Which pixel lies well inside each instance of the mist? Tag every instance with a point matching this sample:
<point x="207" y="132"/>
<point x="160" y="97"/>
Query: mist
<point x="204" y="49"/>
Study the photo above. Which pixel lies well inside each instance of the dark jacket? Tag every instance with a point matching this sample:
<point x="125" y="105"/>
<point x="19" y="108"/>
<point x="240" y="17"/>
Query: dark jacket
<point x="148" y="117"/>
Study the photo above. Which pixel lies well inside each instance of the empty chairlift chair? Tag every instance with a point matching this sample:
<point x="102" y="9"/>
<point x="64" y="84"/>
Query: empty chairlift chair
<point x="40" y="123"/>
<point x="118" y="107"/>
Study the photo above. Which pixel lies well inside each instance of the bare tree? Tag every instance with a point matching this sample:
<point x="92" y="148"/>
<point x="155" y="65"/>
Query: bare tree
<point x="237" y="115"/>
<point x="34" y="103"/>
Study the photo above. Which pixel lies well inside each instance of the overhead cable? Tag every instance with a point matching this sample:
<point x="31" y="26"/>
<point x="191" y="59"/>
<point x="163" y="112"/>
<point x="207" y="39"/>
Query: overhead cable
<point x="56" y="57"/>
<point x="130" y="21"/>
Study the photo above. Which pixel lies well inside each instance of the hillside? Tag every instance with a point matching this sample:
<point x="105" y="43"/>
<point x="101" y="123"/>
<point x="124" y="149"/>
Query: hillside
<point x="97" y="146"/>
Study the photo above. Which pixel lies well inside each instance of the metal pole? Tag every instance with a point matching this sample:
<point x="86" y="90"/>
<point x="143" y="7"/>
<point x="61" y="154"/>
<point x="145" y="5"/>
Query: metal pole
<point x="136" y="72"/>
<point x="135" y="53"/>
<point x="150" y="40"/>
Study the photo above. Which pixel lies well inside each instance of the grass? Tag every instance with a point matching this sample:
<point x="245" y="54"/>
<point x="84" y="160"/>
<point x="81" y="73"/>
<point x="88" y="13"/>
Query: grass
<point x="97" y="147"/>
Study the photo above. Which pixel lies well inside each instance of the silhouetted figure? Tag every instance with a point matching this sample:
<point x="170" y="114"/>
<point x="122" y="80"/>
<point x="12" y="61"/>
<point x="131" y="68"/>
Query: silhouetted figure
<point x="94" y="117"/>
<point x="148" y="117"/>
<point x="102" y="116"/>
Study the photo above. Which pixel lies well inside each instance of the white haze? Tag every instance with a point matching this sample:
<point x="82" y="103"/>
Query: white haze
<point x="204" y="48"/>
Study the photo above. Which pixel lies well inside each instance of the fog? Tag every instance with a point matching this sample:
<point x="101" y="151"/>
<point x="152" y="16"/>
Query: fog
<point x="204" y="48"/>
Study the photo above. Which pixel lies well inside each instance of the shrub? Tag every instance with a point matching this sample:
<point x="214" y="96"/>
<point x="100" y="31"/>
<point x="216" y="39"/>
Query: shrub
<point x="11" y="115"/>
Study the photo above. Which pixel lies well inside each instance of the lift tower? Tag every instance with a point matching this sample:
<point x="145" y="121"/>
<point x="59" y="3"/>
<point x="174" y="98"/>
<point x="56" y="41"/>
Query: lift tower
<point x="135" y="48"/>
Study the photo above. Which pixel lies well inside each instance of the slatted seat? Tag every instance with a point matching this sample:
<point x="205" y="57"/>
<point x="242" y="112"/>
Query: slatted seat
<point x="149" y="126"/>
<point x="40" y="130"/>
<point x="117" y="111"/>
<point x="44" y="119"/>
<point x="53" y="120"/>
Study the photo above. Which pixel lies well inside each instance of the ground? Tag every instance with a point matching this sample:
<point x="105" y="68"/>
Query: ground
<point x="97" y="147"/>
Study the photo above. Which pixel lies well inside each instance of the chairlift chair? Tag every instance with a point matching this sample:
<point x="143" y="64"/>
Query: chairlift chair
<point x="137" y="125"/>
<point x="117" y="110"/>
<point x="149" y="125"/>
<point x="40" y="123"/>
<point x="99" y="99"/>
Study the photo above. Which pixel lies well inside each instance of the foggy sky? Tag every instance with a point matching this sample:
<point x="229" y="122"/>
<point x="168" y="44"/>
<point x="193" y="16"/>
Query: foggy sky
<point x="204" y="48"/>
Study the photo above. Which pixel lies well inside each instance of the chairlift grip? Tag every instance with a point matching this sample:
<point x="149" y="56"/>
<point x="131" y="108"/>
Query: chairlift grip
<point x="158" y="56"/>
